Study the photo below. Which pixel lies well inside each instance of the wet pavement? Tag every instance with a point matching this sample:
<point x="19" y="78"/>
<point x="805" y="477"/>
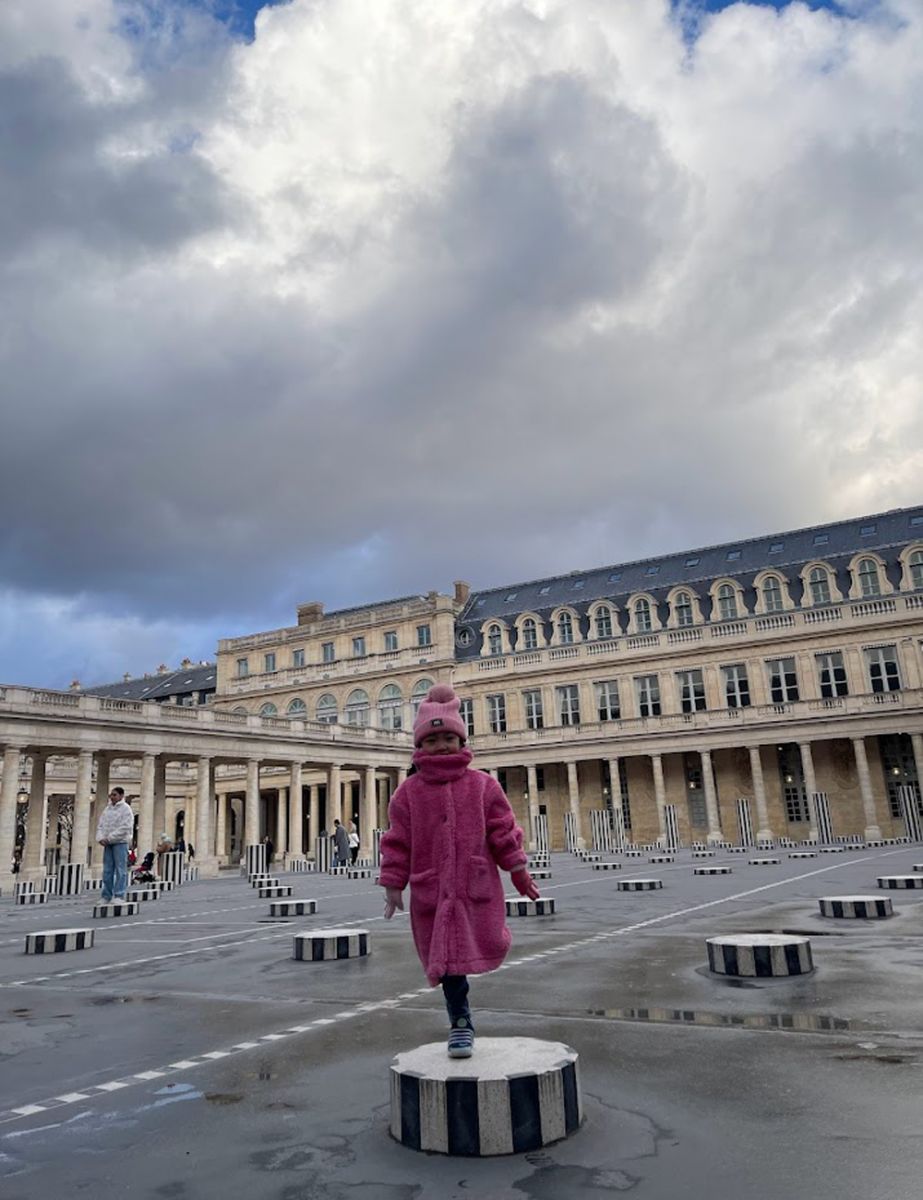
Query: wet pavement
<point x="188" y="1055"/>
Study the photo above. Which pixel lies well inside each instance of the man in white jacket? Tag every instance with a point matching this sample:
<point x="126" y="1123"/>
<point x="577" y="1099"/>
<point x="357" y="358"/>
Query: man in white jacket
<point x="113" y="832"/>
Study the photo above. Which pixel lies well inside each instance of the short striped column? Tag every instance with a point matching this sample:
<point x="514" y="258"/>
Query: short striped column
<point x="358" y="872"/>
<point x="376" y="847"/>
<point x="542" y="872"/>
<point x="163" y="885"/>
<point x="639" y="885"/>
<point x="634" y="853"/>
<point x="22" y="887"/>
<point x="712" y="870"/>
<point x="918" y="866"/>
<point x="191" y="875"/>
<point x="262" y="880"/>
<point x="140" y="895"/>
<point x="759" y="955"/>
<point x="607" y="866"/>
<point x="322" y="855"/>
<point x="299" y="865"/>
<point x="292" y="908"/>
<point x="31" y="898"/>
<point x="70" y="879"/>
<point x="323" y="945"/>
<point x="901" y="882"/>
<point x="831" y="849"/>
<point x="661" y="858"/>
<point x="867" y="908"/>
<point x="538" y="860"/>
<point x="172" y="866"/>
<point x="803" y="854"/>
<point x="92" y="885"/>
<point x="58" y="941"/>
<point x="117" y="908"/>
<point x="703" y="854"/>
<point x="514" y="1095"/>
<point x="765" y="862"/>
<point x="587" y="855"/>
<point x="274" y="891"/>
<point x="522" y="906"/>
<point x="50" y="885"/>
<point x="736" y="849"/>
<point x="256" y="859"/>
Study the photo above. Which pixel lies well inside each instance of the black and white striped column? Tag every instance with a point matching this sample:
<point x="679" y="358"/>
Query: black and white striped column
<point x="292" y="908"/>
<point x="661" y="858"/>
<point x="540" y="872"/>
<point x="522" y="906"/>
<point x="70" y="879"/>
<point x="358" y="872"/>
<point x="765" y="862"/>
<point x="117" y="908"/>
<point x="172" y="866"/>
<point x="703" y="854"/>
<point x="262" y="880"/>
<point x="256" y="859"/>
<point x="92" y="885"/>
<point x="868" y="908"/>
<point x="272" y="891"/>
<point x="322" y="854"/>
<point x="711" y="870"/>
<point x="298" y="866"/>
<point x="759" y="955"/>
<point x="803" y="854"/>
<point x="606" y="866"/>
<point x="31" y="898"/>
<point x="901" y="882"/>
<point x="639" y="885"/>
<point x="58" y="941"/>
<point x="376" y="847"/>
<point x="191" y="875"/>
<point x="514" y="1095"/>
<point x="23" y="887"/>
<point x="139" y="895"/>
<point x="323" y="945"/>
<point x="50" y="885"/>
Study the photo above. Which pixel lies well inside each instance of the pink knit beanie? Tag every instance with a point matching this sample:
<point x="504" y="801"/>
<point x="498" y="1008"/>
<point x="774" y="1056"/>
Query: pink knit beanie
<point x="439" y="713"/>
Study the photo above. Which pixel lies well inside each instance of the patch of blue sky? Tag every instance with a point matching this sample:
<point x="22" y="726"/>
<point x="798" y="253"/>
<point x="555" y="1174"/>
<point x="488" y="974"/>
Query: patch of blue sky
<point x="238" y="16"/>
<point x="691" y="13"/>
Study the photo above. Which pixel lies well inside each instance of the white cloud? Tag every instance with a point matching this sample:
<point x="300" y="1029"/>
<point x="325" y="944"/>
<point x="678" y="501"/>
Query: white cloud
<point x="401" y="292"/>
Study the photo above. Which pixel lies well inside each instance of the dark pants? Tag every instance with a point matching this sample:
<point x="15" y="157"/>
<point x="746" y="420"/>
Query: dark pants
<point x="455" y="990"/>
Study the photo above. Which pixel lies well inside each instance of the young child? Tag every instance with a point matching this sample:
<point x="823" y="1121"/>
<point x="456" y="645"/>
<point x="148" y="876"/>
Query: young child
<point x="450" y="828"/>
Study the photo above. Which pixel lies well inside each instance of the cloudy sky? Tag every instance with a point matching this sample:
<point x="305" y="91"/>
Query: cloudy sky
<point x="346" y="299"/>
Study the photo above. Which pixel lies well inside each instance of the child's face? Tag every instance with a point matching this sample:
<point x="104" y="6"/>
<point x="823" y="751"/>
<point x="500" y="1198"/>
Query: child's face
<point x="441" y="743"/>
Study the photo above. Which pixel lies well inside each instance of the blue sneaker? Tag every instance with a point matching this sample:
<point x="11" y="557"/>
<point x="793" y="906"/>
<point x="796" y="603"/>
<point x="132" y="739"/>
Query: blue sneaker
<point x="461" y="1038"/>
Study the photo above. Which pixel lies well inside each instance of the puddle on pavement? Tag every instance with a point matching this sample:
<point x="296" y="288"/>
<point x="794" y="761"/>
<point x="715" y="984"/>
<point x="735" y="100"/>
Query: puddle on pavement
<point x="788" y="1022"/>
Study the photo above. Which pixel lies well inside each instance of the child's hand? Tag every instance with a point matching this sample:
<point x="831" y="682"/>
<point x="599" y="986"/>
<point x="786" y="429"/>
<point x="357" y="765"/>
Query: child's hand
<point x="394" y="900"/>
<point x="524" y="883"/>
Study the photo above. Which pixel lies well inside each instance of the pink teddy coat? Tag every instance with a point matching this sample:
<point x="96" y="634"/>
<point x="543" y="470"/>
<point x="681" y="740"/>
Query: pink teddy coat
<point x="450" y="828"/>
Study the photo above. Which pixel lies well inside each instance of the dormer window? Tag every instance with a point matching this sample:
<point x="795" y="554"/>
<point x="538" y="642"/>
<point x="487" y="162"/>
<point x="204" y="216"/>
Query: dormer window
<point x="869" y="582"/>
<point x="565" y="629"/>
<point x="642" y="611"/>
<point x="682" y="610"/>
<point x="529" y="634"/>
<point x="727" y="602"/>
<point x="603" y="621"/>
<point x="495" y="640"/>
<point x="772" y="594"/>
<point x="819" y="583"/>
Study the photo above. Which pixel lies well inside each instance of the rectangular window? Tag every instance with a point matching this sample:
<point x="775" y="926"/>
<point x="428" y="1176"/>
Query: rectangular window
<point x="496" y="713"/>
<point x="466" y="711"/>
<point x="540" y="778"/>
<point x="884" y="672"/>
<point x="298" y="658"/>
<point x="604" y="623"/>
<point x="607" y="700"/>
<point x="327" y="652"/>
<point x="831" y="675"/>
<point x="391" y="640"/>
<point x="647" y="694"/>
<point x="358" y="647"/>
<point x="736" y="686"/>
<point x="568" y="704"/>
<point x="691" y="686"/>
<point x="269" y="661"/>
<point x="533" y="708"/>
<point x="243" y="668"/>
<point x="424" y="635"/>
<point x="783" y="681"/>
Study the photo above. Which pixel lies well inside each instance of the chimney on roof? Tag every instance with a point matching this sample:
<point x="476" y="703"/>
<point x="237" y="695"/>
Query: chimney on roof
<point x="310" y="612"/>
<point x="75" y="685"/>
<point x="462" y="591"/>
<point x="162" y="669"/>
<point x="126" y="677"/>
<point x="186" y="664"/>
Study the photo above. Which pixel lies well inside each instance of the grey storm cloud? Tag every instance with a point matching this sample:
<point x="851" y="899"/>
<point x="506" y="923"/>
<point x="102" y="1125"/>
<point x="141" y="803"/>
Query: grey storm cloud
<point x="276" y="329"/>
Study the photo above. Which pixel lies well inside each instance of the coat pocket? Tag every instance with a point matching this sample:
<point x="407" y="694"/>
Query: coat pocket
<point x="482" y="876"/>
<point x="424" y="890"/>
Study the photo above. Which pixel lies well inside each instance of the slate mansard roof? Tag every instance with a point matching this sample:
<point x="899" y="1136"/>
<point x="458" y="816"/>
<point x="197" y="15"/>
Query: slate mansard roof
<point x="198" y="678"/>
<point x="835" y="544"/>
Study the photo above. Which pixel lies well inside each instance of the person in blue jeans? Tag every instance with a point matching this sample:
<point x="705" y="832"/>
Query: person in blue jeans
<point x="113" y="832"/>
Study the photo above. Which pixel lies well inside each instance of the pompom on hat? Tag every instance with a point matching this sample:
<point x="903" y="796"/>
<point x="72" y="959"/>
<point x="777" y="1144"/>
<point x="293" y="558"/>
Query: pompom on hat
<point x="439" y="713"/>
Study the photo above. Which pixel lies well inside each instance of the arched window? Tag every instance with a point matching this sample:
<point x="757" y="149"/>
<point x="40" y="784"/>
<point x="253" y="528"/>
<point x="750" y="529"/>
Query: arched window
<point x="529" y="634"/>
<point x="682" y="609"/>
<point x="357" y="708"/>
<point x="603" y="621"/>
<point x="727" y="602"/>
<point x="869" y="583"/>
<point x="240" y="711"/>
<point x="642" y="610"/>
<point x="565" y="629"/>
<point x="418" y="695"/>
<point x="297" y="708"/>
<point x="819" y="583"/>
<point x="772" y="594"/>
<point x="327" y="710"/>
<point x="268" y="709"/>
<point x="915" y="563"/>
<point x="495" y="640"/>
<point x="390" y="706"/>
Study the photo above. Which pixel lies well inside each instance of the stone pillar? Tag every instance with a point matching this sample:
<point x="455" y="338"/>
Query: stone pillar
<point x="313" y="813"/>
<point x="82" y="802"/>
<point x="250" y="835"/>
<point x="146" y="807"/>
<point x="103" y="764"/>
<point x="615" y="794"/>
<point x="160" y="800"/>
<point x="810" y="786"/>
<point x="295" y="812"/>
<point x="367" y="813"/>
<point x="281" y="838"/>
<point x="9" y="791"/>
<point x="660" y="797"/>
<point x="401" y="775"/>
<point x="872" y="828"/>
<point x="33" y="863"/>
<point x="221" y="835"/>
<point x="532" y="789"/>
<point x="204" y="859"/>
<point x="334" y="796"/>
<point x="573" y="790"/>
<point x="711" y="799"/>
<point x="763" y="832"/>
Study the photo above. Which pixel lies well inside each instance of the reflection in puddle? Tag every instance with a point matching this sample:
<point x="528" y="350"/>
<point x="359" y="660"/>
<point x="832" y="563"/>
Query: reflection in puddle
<point x="792" y="1022"/>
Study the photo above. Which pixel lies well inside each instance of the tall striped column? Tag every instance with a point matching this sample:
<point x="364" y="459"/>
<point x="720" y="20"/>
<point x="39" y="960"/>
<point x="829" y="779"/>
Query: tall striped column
<point x="256" y="860"/>
<point x="70" y="879"/>
<point x="172" y="865"/>
<point x="322" y="854"/>
<point x="376" y="846"/>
